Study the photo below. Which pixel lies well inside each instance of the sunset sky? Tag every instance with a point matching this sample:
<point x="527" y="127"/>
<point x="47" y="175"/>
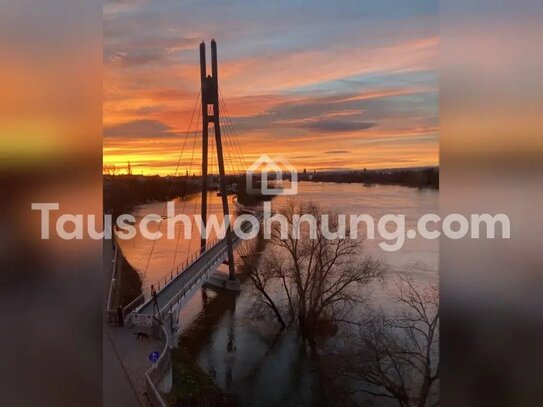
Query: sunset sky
<point x="326" y="84"/>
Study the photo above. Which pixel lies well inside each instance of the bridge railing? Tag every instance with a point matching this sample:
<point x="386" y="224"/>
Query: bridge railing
<point x="194" y="280"/>
<point x="199" y="275"/>
<point x="156" y="372"/>
<point x="195" y="256"/>
<point x="112" y="313"/>
<point x="186" y="264"/>
<point x="179" y="269"/>
<point x="136" y="302"/>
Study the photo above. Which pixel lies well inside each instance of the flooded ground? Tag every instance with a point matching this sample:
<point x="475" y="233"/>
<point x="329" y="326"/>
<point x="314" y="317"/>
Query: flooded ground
<point x="246" y="354"/>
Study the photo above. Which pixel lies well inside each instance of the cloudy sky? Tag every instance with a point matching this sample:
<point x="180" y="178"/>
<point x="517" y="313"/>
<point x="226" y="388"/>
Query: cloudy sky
<point x="326" y="84"/>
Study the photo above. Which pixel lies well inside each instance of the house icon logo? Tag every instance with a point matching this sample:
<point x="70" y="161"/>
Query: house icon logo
<point x="272" y="169"/>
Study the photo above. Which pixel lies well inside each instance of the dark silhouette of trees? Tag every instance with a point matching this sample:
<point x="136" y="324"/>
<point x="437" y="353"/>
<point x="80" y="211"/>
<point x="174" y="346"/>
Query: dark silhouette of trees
<point x="123" y="192"/>
<point x="312" y="282"/>
<point x="246" y="198"/>
<point x="110" y="169"/>
<point x="397" y="356"/>
<point x="413" y="177"/>
<point x="263" y="274"/>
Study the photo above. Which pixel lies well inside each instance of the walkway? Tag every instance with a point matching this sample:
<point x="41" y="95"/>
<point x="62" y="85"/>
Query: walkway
<point x="182" y="281"/>
<point x="124" y="360"/>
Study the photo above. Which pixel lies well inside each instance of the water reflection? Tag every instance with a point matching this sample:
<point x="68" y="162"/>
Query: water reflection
<point x="248" y="355"/>
<point x="167" y="254"/>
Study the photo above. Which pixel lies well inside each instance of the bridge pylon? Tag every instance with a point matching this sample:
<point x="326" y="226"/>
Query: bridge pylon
<point x="211" y="114"/>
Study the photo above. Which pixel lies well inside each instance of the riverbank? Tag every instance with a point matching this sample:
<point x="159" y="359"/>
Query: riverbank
<point x="409" y="177"/>
<point x="227" y="336"/>
<point x="124" y="192"/>
<point x="192" y="387"/>
<point x="130" y="282"/>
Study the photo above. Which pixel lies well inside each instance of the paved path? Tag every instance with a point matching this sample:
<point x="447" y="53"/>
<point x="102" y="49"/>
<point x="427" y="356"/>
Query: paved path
<point x="124" y="359"/>
<point x="117" y="389"/>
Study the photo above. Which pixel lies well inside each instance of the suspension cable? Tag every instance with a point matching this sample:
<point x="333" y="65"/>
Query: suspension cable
<point x="236" y="163"/>
<point x="170" y="188"/>
<point x="225" y="108"/>
<point x="186" y="186"/>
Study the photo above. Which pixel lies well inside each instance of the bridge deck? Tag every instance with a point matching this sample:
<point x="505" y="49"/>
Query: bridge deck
<point x="169" y="291"/>
<point x="183" y="279"/>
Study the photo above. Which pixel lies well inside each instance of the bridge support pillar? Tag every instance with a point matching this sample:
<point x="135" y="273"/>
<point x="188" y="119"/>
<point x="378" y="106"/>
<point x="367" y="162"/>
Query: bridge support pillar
<point x="211" y="113"/>
<point x="221" y="280"/>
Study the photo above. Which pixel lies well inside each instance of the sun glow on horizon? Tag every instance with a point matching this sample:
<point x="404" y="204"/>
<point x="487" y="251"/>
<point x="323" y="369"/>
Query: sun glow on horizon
<point x="294" y="96"/>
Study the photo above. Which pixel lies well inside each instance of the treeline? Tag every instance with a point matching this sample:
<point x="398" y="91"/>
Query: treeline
<point x="123" y="192"/>
<point x="250" y="199"/>
<point x="412" y="177"/>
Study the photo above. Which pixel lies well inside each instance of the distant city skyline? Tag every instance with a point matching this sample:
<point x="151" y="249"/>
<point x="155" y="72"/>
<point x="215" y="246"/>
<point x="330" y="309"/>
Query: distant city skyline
<point x="338" y="85"/>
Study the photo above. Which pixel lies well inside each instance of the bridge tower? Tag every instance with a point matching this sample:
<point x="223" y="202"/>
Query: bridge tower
<point x="211" y="114"/>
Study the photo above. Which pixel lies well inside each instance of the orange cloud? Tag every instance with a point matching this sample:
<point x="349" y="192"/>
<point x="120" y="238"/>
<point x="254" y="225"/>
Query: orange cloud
<point x="273" y="113"/>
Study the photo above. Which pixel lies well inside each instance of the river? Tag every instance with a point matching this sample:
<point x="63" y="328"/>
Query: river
<point x="244" y="353"/>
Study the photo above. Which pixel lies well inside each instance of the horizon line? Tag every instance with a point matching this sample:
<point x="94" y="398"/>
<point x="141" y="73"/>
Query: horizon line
<point x="124" y="172"/>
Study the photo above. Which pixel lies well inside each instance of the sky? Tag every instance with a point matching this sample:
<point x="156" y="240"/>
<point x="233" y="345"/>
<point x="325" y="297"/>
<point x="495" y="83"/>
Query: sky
<point x="338" y="84"/>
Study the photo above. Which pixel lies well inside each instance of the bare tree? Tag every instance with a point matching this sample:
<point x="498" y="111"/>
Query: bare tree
<point x="319" y="277"/>
<point x="397" y="356"/>
<point x="262" y="273"/>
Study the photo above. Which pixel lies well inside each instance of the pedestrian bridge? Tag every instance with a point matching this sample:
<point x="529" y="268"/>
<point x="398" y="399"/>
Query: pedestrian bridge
<point x="188" y="278"/>
<point x="184" y="281"/>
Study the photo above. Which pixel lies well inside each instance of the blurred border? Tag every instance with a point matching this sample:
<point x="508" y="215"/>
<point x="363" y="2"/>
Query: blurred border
<point x="492" y="322"/>
<point x="51" y="151"/>
<point x="491" y="161"/>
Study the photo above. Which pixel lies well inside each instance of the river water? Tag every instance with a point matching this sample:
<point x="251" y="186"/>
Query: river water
<point x="244" y="353"/>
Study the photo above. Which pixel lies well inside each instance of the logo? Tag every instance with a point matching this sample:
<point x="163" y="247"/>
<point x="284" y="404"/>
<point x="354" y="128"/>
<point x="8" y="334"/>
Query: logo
<point x="270" y="169"/>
